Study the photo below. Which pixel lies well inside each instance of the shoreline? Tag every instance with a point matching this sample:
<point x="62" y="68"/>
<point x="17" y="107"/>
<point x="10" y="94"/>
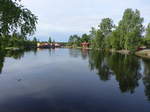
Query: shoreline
<point x="142" y="53"/>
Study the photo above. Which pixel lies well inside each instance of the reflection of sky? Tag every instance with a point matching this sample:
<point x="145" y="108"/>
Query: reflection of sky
<point x="142" y="67"/>
<point x="61" y="18"/>
<point x="61" y="80"/>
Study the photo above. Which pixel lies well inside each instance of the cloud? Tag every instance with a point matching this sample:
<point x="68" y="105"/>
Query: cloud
<point x="78" y="16"/>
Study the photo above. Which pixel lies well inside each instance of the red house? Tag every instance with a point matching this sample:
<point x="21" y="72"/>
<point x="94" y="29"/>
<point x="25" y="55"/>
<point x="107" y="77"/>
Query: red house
<point x="85" y="44"/>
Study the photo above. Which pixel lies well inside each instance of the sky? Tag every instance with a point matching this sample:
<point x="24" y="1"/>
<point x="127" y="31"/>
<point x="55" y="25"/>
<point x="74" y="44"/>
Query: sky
<point x="59" y="19"/>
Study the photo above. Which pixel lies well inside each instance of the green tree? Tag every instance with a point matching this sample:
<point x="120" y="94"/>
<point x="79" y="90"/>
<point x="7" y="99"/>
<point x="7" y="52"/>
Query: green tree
<point x="99" y="40"/>
<point x="148" y="31"/>
<point x="99" y="37"/>
<point x="106" y="26"/>
<point x="35" y="39"/>
<point x="146" y="39"/>
<point x="74" y="40"/>
<point x="15" y="22"/>
<point x="130" y="29"/>
<point x="85" y="38"/>
<point x="50" y="40"/>
<point x="15" y="18"/>
<point x="93" y="33"/>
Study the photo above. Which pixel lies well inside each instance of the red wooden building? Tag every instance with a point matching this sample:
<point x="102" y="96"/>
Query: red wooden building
<point x="85" y="44"/>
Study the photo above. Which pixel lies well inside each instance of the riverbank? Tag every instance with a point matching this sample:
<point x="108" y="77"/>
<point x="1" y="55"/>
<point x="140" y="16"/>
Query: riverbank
<point x="142" y="53"/>
<point x="109" y="50"/>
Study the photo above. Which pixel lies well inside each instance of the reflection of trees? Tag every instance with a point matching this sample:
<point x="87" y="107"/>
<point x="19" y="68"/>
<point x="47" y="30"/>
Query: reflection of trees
<point x="125" y="68"/>
<point x="146" y="79"/>
<point x="15" y="54"/>
<point x="84" y="53"/>
<point x="35" y="51"/>
<point x="2" y="58"/>
<point x="97" y="61"/>
<point x="74" y="53"/>
<point x="18" y="54"/>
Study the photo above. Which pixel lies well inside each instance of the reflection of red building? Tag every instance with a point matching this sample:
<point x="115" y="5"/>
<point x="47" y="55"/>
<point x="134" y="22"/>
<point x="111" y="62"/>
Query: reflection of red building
<point x="85" y="44"/>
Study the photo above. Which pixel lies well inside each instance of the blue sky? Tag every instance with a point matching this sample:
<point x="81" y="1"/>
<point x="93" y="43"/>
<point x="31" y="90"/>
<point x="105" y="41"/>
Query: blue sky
<point x="61" y="18"/>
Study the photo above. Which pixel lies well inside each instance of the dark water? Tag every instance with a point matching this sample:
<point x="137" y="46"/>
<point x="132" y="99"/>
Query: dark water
<point x="70" y="80"/>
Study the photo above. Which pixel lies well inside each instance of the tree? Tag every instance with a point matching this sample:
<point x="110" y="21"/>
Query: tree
<point x="85" y="38"/>
<point x="50" y="40"/>
<point x="99" y="40"/>
<point x="130" y="29"/>
<point x="92" y="36"/>
<point x="74" y="40"/>
<point x="34" y="39"/>
<point x="93" y="33"/>
<point x="15" y="18"/>
<point x="148" y="31"/>
<point x="146" y="39"/>
<point x="106" y="26"/>
<point x="99" y="36"/>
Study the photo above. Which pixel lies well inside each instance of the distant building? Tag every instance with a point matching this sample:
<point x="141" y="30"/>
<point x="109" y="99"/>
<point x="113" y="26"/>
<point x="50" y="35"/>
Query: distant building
<point x="57" y="45"/>
<point x="48" y="45"/>
<point x="43" y="45"/>
<point x="141" y="48"/>
<point x="38" y="44"/>
<point x="85" y="44"/>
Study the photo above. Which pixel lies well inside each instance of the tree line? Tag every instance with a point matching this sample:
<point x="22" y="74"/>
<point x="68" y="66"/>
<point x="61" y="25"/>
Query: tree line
<point x="129" y="34"/>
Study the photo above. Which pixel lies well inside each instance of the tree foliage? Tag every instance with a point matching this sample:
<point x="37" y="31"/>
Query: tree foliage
<point x="15" y="18"/>
<point x="16" y="23"/>
<point x="130" y="29"/>
<point x="102" y="33"/>
<point x="127" y="35"/>
<point x="50" y="40"/>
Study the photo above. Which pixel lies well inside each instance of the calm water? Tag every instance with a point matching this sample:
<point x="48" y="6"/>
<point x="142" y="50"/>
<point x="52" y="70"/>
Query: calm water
<point x="71" y="80"/>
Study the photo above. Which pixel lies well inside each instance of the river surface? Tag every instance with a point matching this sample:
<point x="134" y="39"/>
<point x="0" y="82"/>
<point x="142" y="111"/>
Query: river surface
<point x="73" y="80"/>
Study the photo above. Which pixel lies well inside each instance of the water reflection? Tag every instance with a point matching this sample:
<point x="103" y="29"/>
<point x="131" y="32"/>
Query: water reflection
<point x="126" y="69"/>
<point x="146" y="78"/>
<point x="18" y="54"/>
<point x="74" y="80"/>
<point x="85" y="53"/>
<point x="74" y="53"/>
<point x="98" y="62"/>
<point x="2" y="59"/>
